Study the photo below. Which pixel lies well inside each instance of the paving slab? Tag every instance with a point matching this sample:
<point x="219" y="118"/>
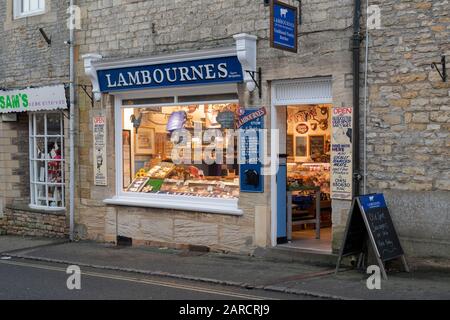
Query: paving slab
<point x="399" y="286"/>
<point x="10" y="243"/>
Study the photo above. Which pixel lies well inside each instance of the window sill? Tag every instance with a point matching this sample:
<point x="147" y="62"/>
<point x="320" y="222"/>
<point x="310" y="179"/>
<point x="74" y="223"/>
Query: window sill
<point x="37" y="209"/>
<point x="27" y="15"/>
<point x="219" y="206"/>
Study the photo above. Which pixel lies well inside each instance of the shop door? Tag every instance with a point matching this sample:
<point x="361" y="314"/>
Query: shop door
<point x="284" y="93"/>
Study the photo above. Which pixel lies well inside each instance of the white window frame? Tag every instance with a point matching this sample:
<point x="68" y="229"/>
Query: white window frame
<point x="22" y="8"/>
<point x="33" y="160"/>
<point x="165" y="201"/>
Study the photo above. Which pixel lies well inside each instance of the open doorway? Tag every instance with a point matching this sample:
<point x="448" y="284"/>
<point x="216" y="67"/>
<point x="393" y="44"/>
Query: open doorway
<point x="308" y="148"/>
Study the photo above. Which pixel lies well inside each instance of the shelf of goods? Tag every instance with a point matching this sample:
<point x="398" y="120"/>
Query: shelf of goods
<point x="170" y="179"/>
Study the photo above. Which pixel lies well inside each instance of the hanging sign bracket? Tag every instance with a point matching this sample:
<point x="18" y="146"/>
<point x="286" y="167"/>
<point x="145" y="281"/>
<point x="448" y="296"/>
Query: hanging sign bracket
<point x="91" y="96"/>
<point x="443" y="74"/>
<point x="258" y="82"/>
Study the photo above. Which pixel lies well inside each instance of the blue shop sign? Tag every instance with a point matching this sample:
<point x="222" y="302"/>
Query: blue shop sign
<point x="250" y="168"/>
<point x="372" y="201"/>
<point x="284" y="26"/>
<point x="197" y="72"/>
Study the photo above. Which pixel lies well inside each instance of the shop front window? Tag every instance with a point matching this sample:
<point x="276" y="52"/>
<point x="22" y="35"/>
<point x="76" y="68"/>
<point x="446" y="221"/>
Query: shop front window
<point x="47" y="160"/>
<point x="187" y="150"/>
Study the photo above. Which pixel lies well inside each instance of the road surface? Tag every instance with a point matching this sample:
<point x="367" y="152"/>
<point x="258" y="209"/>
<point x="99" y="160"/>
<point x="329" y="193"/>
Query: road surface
<point x="31" y="280"/>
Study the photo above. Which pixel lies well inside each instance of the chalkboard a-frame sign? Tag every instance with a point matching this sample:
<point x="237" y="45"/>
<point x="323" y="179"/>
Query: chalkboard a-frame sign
<point x="369" y="218"/>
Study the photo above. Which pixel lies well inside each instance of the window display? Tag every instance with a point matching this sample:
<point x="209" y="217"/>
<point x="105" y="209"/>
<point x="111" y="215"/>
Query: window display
<point x="310" y="174"/>
<point x="47" y="160"/>
<point x="184" y="150"/>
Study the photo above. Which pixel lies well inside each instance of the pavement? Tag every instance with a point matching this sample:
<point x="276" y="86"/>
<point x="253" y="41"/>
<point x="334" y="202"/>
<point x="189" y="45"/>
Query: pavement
<point x="234" y="271"/>
<point x="14" y="243"/>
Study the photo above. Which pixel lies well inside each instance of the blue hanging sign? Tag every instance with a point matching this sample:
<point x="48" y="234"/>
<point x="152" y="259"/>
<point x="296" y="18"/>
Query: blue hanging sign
<point x="186" y="73"/>
<point x="283" y="26"/>
<point x="250" y="168"/>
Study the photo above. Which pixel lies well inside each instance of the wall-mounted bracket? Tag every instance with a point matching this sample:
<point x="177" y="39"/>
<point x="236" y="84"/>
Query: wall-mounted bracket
<point x="45" y="36"/>
<point x="258" y="82"/>
<point x="443" y="74"/>
<point x="91" y="96"/>
<point x="91" y="72"/>
<point x="246" y="52"/>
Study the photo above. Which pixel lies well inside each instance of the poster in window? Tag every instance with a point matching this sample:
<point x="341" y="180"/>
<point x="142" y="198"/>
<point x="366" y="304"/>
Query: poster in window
<point x="126" y="149"/>
<point x="316" y="146"/>
<point x="100" y="156"/>
<point x="145" y="141"/>
<point x="341" y="153"/>
<point x="290" y="145"/>
<point x="300" y="147"/>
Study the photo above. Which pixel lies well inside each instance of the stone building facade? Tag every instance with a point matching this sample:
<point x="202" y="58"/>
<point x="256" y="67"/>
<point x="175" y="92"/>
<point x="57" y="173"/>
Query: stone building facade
<point x="27" y="61"/>
<point x="409" y="121"/>
<point x="408" y="117"/>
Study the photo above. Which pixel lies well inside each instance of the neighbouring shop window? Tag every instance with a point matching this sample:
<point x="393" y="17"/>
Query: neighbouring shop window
<point x="28" y="7"/>
<point x="47" y="160"/>
<point x="186" y="150"/>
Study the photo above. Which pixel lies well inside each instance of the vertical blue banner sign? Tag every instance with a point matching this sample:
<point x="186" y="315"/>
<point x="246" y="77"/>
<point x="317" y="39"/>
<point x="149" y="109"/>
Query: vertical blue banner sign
<point x="250" y="169"/>
<point x="283" y="26"/>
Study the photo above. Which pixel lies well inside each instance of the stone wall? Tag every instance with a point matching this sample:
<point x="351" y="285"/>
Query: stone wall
<point x="14" y="161"/>
<point x="123" y="29"/>
<point x="19" y="220"/>
<point x="26" y="58"/>
<point x="409" y="121"/>
<point x="27" y="61"/>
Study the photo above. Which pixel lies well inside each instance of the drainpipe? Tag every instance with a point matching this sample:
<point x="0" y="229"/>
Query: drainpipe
<point x="72" y="129"/>
<point x="356" y="40"/>
<point x="366" y="104"/>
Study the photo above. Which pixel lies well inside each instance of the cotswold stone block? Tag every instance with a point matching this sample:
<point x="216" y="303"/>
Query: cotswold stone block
<point x="421" y="117"/>
<point x="193" y="232"/>
<point x="408" y="78"/>
<point x="400" y="103"/>
<point x="160" y="229"/>
<point x="383" y="149"/>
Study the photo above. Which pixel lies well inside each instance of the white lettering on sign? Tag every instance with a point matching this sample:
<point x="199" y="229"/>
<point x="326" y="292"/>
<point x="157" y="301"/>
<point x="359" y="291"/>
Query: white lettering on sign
<point x="172" y="75"/>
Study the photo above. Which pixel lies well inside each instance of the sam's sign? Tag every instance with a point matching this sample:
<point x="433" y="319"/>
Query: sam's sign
<point x="214" y="70"/>
<point x="34" y="99"/>
<point x="13" y="101"/>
